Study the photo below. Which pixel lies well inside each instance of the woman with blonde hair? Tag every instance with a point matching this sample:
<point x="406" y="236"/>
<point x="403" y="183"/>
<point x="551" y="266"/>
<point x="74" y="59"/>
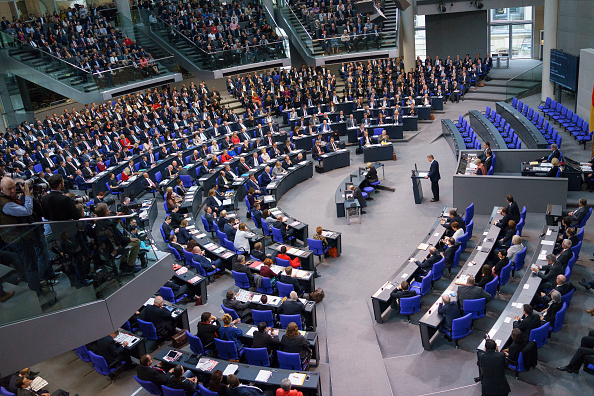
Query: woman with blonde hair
<point x="229" y="332"/>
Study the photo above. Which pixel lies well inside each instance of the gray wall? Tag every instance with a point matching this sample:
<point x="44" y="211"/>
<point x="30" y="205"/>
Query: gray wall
<point x="457" y="34"/>
<point x="585" y="83"/>
<point x="509" y="161"/>
<point x="575" y="26"/>
<point x="488" y="191"/>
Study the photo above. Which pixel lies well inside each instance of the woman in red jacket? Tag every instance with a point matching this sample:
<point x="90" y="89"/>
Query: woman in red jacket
<point x="295" y="263"/>
<point x="225" y="157"/>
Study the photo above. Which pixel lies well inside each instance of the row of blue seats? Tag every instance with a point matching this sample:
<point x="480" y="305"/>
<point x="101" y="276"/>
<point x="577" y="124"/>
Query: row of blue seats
<point x="470" y="139"/>
<point x="572" y="123"/>
<point x="508" y="133"/>
<point x="545" y="128"/>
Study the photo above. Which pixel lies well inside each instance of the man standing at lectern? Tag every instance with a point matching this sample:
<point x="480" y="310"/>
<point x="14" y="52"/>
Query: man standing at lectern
<point x="434" y="176"/>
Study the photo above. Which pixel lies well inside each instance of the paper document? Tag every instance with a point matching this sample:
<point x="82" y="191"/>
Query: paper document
<point x="263" y="375"/>
<point x="423" y="246"/>
<point x="226" y="202"/>
<point x="297" y="379"/>
<point x="508" y="319"/>
<point x="231" y="369"/>
<point x="548" y="242"/>
<point x="38" y="383"/>
<point x="251" y="331"/>
<point x="422" y="174"/>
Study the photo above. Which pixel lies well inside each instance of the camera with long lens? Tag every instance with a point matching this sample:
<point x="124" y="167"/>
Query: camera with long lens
<point x="109" y="201"/>
<point x="81" y="199"/>
<point x="37" y="185"/>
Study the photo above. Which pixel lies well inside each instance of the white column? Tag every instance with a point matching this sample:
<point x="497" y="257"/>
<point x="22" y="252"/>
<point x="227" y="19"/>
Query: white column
<point x="407" y="31"/>
<point x="551" y="14"/>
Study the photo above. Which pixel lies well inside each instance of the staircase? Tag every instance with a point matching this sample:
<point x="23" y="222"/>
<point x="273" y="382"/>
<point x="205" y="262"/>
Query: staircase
<point x="493" y="91"/>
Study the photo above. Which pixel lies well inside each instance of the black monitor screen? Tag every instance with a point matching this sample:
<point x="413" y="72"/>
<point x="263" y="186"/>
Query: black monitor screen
<point x="564" y="69"/>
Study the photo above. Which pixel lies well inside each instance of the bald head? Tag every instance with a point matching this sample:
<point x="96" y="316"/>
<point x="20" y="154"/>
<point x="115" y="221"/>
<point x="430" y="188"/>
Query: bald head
<point x="561" y="279"/>
<point x="158" y="301"/>
<point x="8" y="187"/>
<point x="293" y="295"/>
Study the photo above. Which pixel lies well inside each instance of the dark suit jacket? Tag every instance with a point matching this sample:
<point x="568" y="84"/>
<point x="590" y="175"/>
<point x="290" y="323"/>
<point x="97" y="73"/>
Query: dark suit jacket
<point x="109" y="349"/>
<point x="433" y="174"/>
<point x="564" y="257"/>
<point x="527" y="324"/>
<point x="292" y="281"/>
<point x="159" y="317"/>
<point x="290" y="307"/>
<point x="578" y="215"/>
<point x="264" y="340"/>
<point x="449" y="255"/>
<point x="398" y="294"/>
<point x="551" y="312"/>
<point x="207" y="332"/>
<point x="429" y="261"/>
<point x="57" y="206"/>
<point x="553" y="271"/>
<point x="245" y="269"/>
<point x="514" y="211"/>
<point x="281" y="226"/>
<point x="153" y="374"/>
<point x="242" y="308"/>
<point x="502" y="263"/>
<point x="493" y="366"/>
<point x="466" y="292"/>
<point x="358" y="195"/>
<point x="458" y="219"/>
<point x="450" y="312"/>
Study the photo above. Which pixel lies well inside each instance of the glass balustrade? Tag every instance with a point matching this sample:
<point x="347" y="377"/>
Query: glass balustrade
<point x="51" y="266"/>
<point x="524" y="82"/>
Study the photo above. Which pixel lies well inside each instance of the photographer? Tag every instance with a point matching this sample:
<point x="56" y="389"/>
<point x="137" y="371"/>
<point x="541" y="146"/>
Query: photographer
<point x="108" y="231"/>
<point x="56" y="205"/>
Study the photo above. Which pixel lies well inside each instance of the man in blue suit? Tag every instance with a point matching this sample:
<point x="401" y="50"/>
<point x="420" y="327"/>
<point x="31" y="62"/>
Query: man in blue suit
<point x="434" y="176"/>
<point x="266" y="176"/>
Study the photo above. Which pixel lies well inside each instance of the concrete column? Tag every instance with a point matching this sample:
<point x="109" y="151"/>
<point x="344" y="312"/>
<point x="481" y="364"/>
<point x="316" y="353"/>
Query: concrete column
<point x="551" y="14"/>
<point x="123" y="7"/>
<point x="407" y="32"/>
<point x="32" y="7"/>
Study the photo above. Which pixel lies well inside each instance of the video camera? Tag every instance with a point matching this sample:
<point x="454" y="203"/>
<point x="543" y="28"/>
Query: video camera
<point x="37" y="185"/>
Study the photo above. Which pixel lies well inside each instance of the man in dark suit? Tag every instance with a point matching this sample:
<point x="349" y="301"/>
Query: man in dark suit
<point x="470" y="291"/>
<point x="586" y="349"/>
<point x="566" y="254"/>
<point x="555" y="153"/>
<point x="55" y="205"/>
<point x="204" y="169"/>
<point x="242" y="167"/>
<point x="292" y="306"/>
<point x="562" y="287"/>
<point x="285" y="231"/>
<point x="432" y="258"/>
<point x="483" y="156"/>
<point x="578" y="215"/>
<point x="527" y="322"/>
<point x="450" y="253"/>
<point x="159" y="317"/>
<point x="241" y="308"/>
<point x="401" y="291"/>
<point x="239" y="266"/>
<point x="488" y="162"/>
<point x="492" y="365"/>
<point x="262" y="339"/>
<point x="503" y="261"/>
<point x="207" y="329"/>
<point x="454" y="217"/>
<point x="450" y="310"/>
<point x="358" y="195"/>
<point x="434" y="176"/>
<point x="286" y="277"/>
<point x="549" y="272"/>
<point x="155" y="374"/>
<point x="112" y="352"/>
<point x="148" y="184"/>
<point x="512" y="208"/>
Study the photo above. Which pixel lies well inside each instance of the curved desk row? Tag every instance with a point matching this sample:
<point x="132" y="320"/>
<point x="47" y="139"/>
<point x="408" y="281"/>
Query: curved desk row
<point x="453" y="136"/>
<point x="502" y="329"/>
<point x="431" y="321"/>
<point x="486" y="130"/>
<point x="381" y="299"/>
<point x="523" y="127"/>
<point x="295" y="175"/>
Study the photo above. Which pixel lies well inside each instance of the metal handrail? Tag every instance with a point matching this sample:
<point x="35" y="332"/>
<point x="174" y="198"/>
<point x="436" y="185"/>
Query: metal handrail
<point x="43" y="223"/>
<point x="298" y="20"/>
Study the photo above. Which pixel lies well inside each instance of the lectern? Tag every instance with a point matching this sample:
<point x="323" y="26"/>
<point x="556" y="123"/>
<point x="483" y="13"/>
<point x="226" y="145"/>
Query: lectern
<point x="416" y="178"/>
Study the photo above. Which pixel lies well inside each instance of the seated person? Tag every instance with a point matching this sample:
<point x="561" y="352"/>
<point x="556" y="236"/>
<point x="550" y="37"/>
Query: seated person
<point x="286" y="232"/>
<point x="207" y="264"/>
<point x="285" y="388"/>
<point x="155" y="374"/>
<point x="236" y="388"/>
<point x="286" y="277"/>
<point x="454" y="217"/>
<point x="207" y="329"/>
<point x="23" y="389"/>
<point x="529" y="321"/>
<point x="549" y="272"/>
<point x="549" y="313"/>
<point x="114" y="353"/>
<point x="239" y="266"/>
<point x="562" y="287"/>
<point x="183" y="235"/>
<point x="258" y="252"/>
<point x="470" y="291"/>
<point x="183" y="380"/>
<point x="586" y="349"/>
<point x="506" y="241"/>
<point x="264" y="339"/>
<point x="450" y="310"/>
<point x="503" y="261"/>
<point x="432" y="258"/>
<point x="401" y="291"/>
<point x="160" y="317"/>
<point x="295" y="263"/>
<point x="294" y="342"/>
<point x="292" y="306"/>
<point x="216" y="383"/>
<point x="450" y="253"/>
<point x="230" y="332"/>
<point x="480" y="167"/>
<point x="518" y="344"/>
<point x="486" y="276"/>
<point x="554" y="169"/>
<point x="242" y="309"/>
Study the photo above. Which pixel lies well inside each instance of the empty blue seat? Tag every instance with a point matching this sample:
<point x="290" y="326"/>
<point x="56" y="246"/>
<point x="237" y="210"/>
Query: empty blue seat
<point x="265" y="287"/>
<point x="461" y="327"/>
<point x="410" y="305"/>
<point x="265" y="316"/>
<point x="286" y="319"/>
<point x="257" y="356"/>
<point x="195" y="343"/>
<point x="437" y="270"/>
<point x="424" y="286"/>
<point x="100" y="365"/>
<point x="540" y="335"/>
<point x="206" y="392"/>
<point x="491" y="287"/>
<point x="241" y="280"/>
<point x="284" y="289"/>
<point x="167" y="391"/>
<point x="475" y="307"/>
<point x="168" y="295"/>
<point x="317" y="247"/>
<point x="149" y="386"/>
<point x="227" y="350"/>
<point x="505" y="275"/>
<point x="83" y="353"/>
<point x="148" y="330"/>
<point x="290" y="361"/>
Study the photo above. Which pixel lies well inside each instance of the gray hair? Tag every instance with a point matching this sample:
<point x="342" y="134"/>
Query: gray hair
<point x="567" y="243"/>
<point x="286" y="384"/>
<point x="551" y="257"/>
<point x="293" y="295"/>
<point x="555" y="296"/>
<point x="516" y="239"/>
<point x="241" y="258"/>
<point x="446" y="298"/>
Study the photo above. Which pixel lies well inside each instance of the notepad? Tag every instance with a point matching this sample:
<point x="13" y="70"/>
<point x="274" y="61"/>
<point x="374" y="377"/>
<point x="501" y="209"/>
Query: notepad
<point x="533" y="162"/>
<point x="38" y="383"/>
<point x="526" y="287"/>
<point x="230" y="369"/>
<point x="548" y="242"/>
<point x="297" y="379"/>
<point x="507" y="320"/>
<point x="422" y="246"/>
<point x="549" y="232"/>
<point x="206" y="364"/>
<point x="263" y="375"/>
<point x="404" y="275"/>
<point x="251" y="331"/>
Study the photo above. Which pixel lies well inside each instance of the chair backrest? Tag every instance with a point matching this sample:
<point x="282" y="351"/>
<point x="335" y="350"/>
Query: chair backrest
<point x="286" y="319"/>
<point x="520" y="227"/>
<point x="205" y="224"/>
<point x="198" y="268"/>
<point x="410" y="305"/>
<point x="566" y="298"/>
<point x="221" y="235"/>
<point x="241" y="280"/>
<point x="505" y="274"/>
<point x="247" y="203"/>
<point x="175" y="253"/>
<point x="230" y="311"/>
<point x="457" y="257"/>
<point x="470" y="228"/>
<point x="425" y="284"/>
<point x="461" y="327"/>
<point x="263" y="316"/>
<point x="491" y="287"/>
<point x="167" y="391"/>
<point x="206" y="392"/>
<point x="187" y="180"/>
<point x="188" y="256"/>
<point x="289" y="361"/>
<point x="167" y="294"/>
<point x="523" y="214"/>
<point x="148" y="330"/>
<point x="585" y="219"/>
<point x="463" y="240"/>
<point x="99" y="363"/>
<point x="520" y="259"/>
<point x="577" y="248"/>
<point x="195" y="343"/>
<point x="265" y="287"/>
<point x="215" y="226"/>
<point x="284" y="289"/>
<point x="476" y="307"/>
<point x="540" y="335"/>
<point x="158" y="177"/>
<point x="257" y="356"/>
<point x="437" y="270"/>
<point x="282" y="262"/>
<point x="265" y="228"/>
<point x="83" y="353"/>
<point x="226" y="349"/>
<point x="163" y="234"/>
<point x="559" y="319"/>
<point x="316" y="246"/>
<point x="5" y="392"/>
<point x="277" y="235"/>
<point x="572" y="261"/>
<point x="149" y="386"/>
<point x="567" y="273"/>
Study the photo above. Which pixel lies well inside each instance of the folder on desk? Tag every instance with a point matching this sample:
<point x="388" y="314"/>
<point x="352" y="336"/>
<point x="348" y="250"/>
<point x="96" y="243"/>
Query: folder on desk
<point x="423" y="246"/>
<point x="263" y="375"/>
<point x="230" y="369"/>
<point x="462" y="280"/>
<point x="297" y="379"/>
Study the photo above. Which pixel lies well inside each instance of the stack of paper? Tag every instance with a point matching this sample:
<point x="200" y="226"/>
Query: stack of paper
<point x="297" y="379"/>
<point x="231" y="369"/>
<point x="263" y="375"/>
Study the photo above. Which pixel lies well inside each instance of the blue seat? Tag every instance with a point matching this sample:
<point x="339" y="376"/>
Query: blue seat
<point x="263" y="316"/>
<point x="257" y="224"/>
<point x="148" y="330"/>
<point x="284" y="289"/>
<point x="566" y="298"/>
<point x="476" y="307"/>
<point x="410" y="305"/>
<point x="4" y="392"/>
<point x="265" y="228"/>
<point x="504" y="275"/>
<point x="195" y="343"/>
<point x="187" y="180"/>
<point x="282" y="262"/>
<point x="188" y="256"/>
<point x="227" y="350"/>
<point x="168" y="295"/>
<point x="175" y="253"/>
<point x="317" y="247"/>
<point x="519" y="366"/>
<point x="165" y="237"/>
<point x="290" y="361"/>
<point x="265" y="287"/>
<point x="286" y="319"/>
<point x="463" y="240"/>
<point x="165" y="206"/>
<point x="577" y="248"/>
<point x="113" y="192"/>
<point x="523" y="214"/>
<point x="201" y="270"/>
<point x="461" y="327"/>
<point x="205" y="392"/>
<point x="437" y="270"/>
<point x="422" y="287"/>
<point x="540" y="335"/>
<point x="456" y="257"/>
<point x="491" y="287"/>
<point x="585" y="219"/>
<point x="519" y="260"/>
<point x="221" y="235"/>
<point x="167" y="391"/>
<point x="100" y="365"/>
<point x="257" y="356"/>
<point x="158" y="176"/>
<point x="559" y="319"/>
<point x="277" y="236"/>
<point x="230" y="311"/>
<point x="520" y="227"/>
<point x="83" y="353"/>
<point x="241" y="280"/>
<point x="247" y="203"/>
<point x="149" y="386"/>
